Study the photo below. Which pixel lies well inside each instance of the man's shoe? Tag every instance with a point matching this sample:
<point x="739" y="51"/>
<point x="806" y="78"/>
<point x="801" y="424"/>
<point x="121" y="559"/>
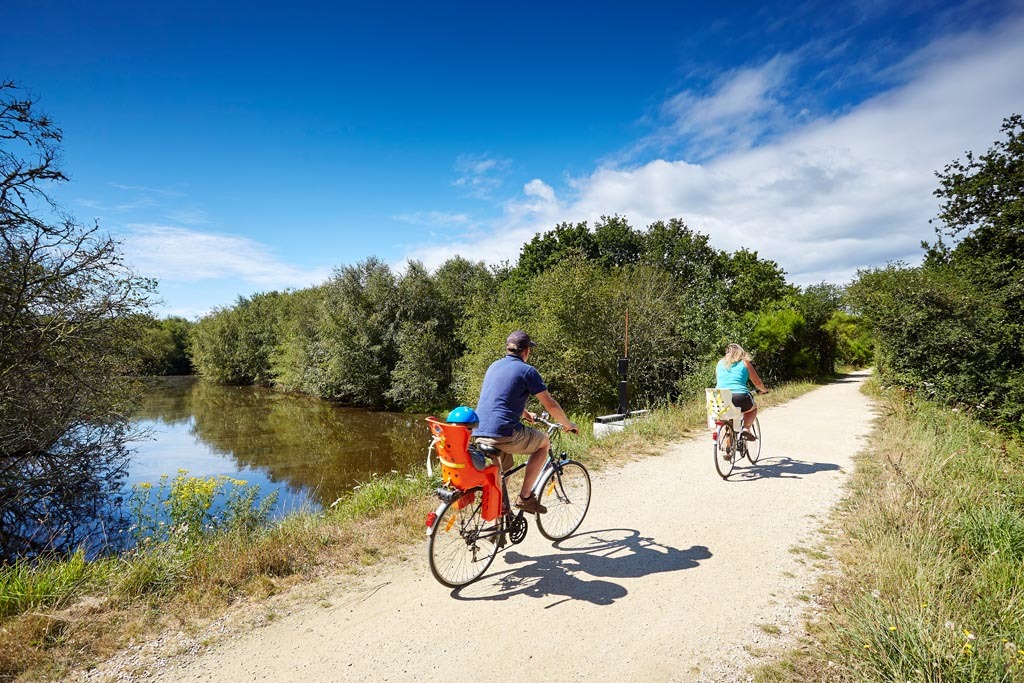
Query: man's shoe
<point x="749" y="436"/>
<point x="530" y="505"/>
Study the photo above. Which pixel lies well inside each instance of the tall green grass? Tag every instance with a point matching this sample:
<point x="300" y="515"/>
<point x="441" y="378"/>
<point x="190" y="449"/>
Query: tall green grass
<point x="932" y="557"/>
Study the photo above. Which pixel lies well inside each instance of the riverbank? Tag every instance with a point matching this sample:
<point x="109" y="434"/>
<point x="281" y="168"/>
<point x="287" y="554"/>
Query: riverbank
<point x="68" y="615"/>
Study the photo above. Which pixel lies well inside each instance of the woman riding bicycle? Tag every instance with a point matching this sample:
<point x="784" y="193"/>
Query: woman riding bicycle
<point x="733" y="372"/>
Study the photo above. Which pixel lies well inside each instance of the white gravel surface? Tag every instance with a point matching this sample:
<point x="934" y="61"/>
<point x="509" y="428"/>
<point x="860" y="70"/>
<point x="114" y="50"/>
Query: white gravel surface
<point x="675" y="575"/>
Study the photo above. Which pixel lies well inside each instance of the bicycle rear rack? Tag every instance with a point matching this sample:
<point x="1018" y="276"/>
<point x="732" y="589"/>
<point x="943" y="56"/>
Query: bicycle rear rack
<point x="447" y="495"/>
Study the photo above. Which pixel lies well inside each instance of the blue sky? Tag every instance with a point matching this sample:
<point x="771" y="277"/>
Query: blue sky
<point x="237" y="148"/>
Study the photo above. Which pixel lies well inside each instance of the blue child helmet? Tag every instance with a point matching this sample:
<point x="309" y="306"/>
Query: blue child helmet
<point x="463" y="415"/>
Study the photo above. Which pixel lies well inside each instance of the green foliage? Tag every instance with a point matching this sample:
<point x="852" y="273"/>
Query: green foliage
<point x="952" y="327"/>
<point x="817" y="303"/>
<point x="547" y="249"/>
<point x="773" y="340"/>
<point x="236" y="345"/>
<point x="854" y="343"/>
<point x="299" y="361"/>
<point x="359" y="332"/>
<point x="616" y="242"/>
<point x="686" y="256"/>
<point x="754" y="282"/>
<point x="26" y="585"/>
<point x="161" y="347"/>
<point x="422" y="341"/>
<point x="938" y="334"/>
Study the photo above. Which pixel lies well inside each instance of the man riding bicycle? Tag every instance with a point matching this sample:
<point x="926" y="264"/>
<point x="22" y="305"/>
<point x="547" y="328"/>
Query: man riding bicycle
<point x="508" y="384"/>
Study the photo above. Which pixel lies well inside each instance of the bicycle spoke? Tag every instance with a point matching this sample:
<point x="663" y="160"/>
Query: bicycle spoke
<point x="462" y="545"/>
<point x="565" y="492"/>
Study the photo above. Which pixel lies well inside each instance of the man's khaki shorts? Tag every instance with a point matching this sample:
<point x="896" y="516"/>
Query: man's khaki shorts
<point x="524" y="440"/>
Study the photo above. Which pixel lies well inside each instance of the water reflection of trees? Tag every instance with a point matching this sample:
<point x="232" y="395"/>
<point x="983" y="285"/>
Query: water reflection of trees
<point x="166" y="399"/>
<point x="297" y="441"/>
<point x="65" y="497"/>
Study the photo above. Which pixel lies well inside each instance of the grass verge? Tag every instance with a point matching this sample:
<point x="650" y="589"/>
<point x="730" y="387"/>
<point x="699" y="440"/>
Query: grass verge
<point x="931" y="549"/>
<point x="59" y="616"/>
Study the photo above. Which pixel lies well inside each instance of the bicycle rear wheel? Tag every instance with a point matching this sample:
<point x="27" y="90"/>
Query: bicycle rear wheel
<point x="725" y="450"/>
<point x="462" y="545"/>
<point x="754" y="447"/>
<point x="565" y="492"/>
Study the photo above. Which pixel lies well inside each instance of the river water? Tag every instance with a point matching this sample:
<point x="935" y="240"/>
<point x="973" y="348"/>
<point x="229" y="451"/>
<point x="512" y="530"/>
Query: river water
<point x="307" y="450"/>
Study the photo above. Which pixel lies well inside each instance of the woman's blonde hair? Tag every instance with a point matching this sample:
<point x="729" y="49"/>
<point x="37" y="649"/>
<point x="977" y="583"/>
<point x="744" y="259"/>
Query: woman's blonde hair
<point x="734" y="353"/>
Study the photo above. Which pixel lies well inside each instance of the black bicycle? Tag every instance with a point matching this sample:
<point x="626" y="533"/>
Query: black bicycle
<point x="463" y="544"/>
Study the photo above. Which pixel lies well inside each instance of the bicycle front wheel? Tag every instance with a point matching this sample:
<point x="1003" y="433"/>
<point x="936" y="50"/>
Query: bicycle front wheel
<point x="565" y="492"/>
<point x="725" y="450"/>
<point x="462" y="545"/>
<point x="754" y="447"/>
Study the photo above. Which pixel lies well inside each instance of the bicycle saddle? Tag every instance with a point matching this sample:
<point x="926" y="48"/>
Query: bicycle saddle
<point x="487" y="450"/>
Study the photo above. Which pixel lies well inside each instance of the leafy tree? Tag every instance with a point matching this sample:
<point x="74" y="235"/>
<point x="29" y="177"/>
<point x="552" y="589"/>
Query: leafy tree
<point x="984" y="207"/>
<point x="577" y="316"/>
<point x="755" y="282"/>
<point x="774" y="339"/>
<point x="854" y="343"/>
<point x="617" y="243"/>
<point x="299" y="360"/>
<point x="426" y="341"/>
<point x="548" y="248"/>
<point x="684" y="254"/>
<point x="69" y="308"/>
<point x="236" y="345"/>
<point x="817" y="304"/>
<point x="933" y="332"/>
<point x="359" y="331"/>
<point x="952" y="327"/>
<point x="162" y="346"/>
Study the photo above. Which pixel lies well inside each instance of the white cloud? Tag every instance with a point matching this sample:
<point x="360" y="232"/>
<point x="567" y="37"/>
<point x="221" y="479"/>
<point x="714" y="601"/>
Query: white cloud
<point x="178" y="255"/>
<point x="158" y="191"/>
<point x="190" y="216"/>
<point x="824" y="199"/>
<point x="479" y="175"/>
<point x="743" y="106"/>
<point x="434" y="218"/>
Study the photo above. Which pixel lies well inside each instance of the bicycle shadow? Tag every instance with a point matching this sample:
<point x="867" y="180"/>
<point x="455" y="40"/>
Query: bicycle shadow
<point x="602" y="554"/>
<point x="780" y="468"/>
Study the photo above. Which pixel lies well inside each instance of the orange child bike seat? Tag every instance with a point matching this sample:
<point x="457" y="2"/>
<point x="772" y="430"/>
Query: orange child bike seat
<point x="451" y="443"/>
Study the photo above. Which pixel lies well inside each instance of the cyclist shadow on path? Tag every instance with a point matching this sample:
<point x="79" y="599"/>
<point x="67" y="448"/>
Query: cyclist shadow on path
<point x="607" y="553"/>
<point x="780" y="468"/>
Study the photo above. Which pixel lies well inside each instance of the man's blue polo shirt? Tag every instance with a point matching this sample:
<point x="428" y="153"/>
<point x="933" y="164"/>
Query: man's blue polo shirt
<point x="508" y="385"/>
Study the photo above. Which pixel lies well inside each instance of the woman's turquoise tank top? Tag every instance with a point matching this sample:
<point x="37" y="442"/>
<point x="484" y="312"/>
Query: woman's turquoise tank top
<point x="733" y="378"/>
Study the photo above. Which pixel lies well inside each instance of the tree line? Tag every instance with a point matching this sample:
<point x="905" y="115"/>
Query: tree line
<point x="420" y="340"/>
<point x="951" y="328"/>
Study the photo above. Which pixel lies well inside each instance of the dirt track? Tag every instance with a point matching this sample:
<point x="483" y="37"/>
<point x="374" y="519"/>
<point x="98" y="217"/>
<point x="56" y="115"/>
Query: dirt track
<point x="675" y="575"/>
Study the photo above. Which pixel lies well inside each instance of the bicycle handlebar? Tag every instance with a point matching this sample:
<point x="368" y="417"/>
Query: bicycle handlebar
<point x="552" y="426"/>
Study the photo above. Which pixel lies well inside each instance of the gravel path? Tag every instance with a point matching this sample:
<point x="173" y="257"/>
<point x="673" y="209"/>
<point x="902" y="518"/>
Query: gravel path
<point x="675" y="575"/>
